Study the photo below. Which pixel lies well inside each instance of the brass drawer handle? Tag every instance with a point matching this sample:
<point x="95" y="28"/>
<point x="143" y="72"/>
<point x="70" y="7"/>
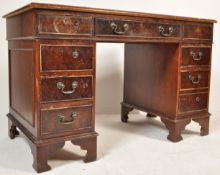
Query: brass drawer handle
<point x="196" y="56"/>
<point x="198" y="99"/>
<point x="61" y="118"/>
<point x="61" y="86"/>
<point x="76" y="24"/>
<point x="195" y="80"/>
<point x="119" y="30"/>
<point x="75" y="54"/>
<point x="162" y="31"/>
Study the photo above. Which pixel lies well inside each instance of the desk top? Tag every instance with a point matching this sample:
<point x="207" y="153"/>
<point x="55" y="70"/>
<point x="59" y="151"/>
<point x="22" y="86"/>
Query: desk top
<point x="102" y="11"/>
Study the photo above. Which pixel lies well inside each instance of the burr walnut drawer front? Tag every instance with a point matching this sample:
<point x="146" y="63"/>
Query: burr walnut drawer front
<point x="195" y="79"/>
<point x="197" y="31"/>
<point x="129" y="28"/>
<point x="66" y="89"/>
<point x="64" y="24"/>
<point x="193" y="102"/>
<point x="55" y="57"/>
<point x="196" y="56"/>
<point x="60" y="121"/>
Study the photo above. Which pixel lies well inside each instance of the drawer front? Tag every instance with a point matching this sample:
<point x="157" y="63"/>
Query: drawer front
<point x="196" y="56"/>
<point x="60" y="121"/>
<point x="198" y="31"/>
<point x="128" y="28"/>
<point x="55" y="57"/>
<point x="64" y="25"/>
<point x="193" y="102"/>
<point x="65" y="89"/>
<point x="162" y="30"/>
<point x="109" y="27"/>
<point x="194" y="79"/>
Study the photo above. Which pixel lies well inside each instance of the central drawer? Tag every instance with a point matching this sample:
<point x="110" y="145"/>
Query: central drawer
<point x="131" y="28"/>
<point x="60" y="121"/>
<point x="66" y="88"/>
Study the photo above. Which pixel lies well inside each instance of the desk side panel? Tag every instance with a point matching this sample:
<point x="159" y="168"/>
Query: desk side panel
<point x="22" y="84"/>
<point x="21" y="25"/>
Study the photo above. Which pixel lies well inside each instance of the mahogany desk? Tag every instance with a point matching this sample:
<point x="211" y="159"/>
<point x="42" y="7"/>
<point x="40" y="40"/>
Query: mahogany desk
<point x="52" y="72"/>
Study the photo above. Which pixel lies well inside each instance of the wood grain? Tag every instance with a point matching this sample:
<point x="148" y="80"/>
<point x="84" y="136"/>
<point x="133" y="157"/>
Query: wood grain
<point x="62" y="24"/>
<point x="52" y="72"/>
<point x="101" y="11"/>
<point x="51" y="124"/>
<point x="51" y="93"/>
<point x="61" y="58"/>
<point x="188" y="58"/>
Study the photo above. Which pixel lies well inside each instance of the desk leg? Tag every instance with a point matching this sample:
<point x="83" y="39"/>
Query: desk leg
<point x="12" y="130"/>
<point x="204" y="123"/>
<point x="89" y="144"/>
<point x="41" y="153"/>
<point x="149" y="115"/>
<point x="175" y="128"/>
<point x="125" y="109"/>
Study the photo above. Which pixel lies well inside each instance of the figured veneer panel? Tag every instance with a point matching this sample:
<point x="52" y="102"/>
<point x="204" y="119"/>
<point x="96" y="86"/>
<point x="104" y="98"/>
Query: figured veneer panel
<point x="50" y="92"/>
<point x="21" y="83"/>
<point x="50" y="120"/>
<point x="198" y="31"/>
<point x="195" y="81"/>
<point x="191" y="56"/>
<point x="64" y="24"/>
<point x="193" y="102"/>
<point x="57" y="57"/>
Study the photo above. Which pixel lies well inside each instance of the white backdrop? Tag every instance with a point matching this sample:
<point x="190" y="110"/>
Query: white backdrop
<point x="118" y="143"/>
<point x="110" y="56"/>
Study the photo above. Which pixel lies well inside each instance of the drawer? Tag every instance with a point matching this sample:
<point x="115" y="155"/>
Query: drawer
<point x="60" y="121"/>
<point x="198" y="31"/>
<point x="110" y="27"/>
<point x="194" y="79"/>
<point x="67" y="88"/>
<point x="64" y="24"/>
<point x="162" y="30"/>
<point x="196" y="56"/>
<point x="128" y="28"/>
<point x="56" y="57"/>
<point x="193" y="102"/>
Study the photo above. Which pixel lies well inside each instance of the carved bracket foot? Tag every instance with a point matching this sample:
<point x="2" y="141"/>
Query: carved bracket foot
<point x="175" y="128"/>
<point x="124" y="112"/>
<point x="149" y="115"/>
<point x="204" y="123"/>
<point x="41" y="153"/>
<point x="89" y="144"/>
<point x="12" y="130"/>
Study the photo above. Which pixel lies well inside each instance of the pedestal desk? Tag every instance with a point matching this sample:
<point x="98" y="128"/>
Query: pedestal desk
<point x="52" y="72"/>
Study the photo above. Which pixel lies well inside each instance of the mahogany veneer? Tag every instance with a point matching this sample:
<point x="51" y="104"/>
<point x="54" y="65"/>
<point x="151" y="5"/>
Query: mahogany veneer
<point x="52" y="72"/>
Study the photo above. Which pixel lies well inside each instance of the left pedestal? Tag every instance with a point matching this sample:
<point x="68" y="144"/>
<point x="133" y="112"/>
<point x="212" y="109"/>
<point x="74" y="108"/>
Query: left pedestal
<point x="52" y="87"/>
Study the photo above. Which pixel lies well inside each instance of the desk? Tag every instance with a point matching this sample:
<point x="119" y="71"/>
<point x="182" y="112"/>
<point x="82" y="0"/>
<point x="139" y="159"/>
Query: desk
<point x="52" y="72"/>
